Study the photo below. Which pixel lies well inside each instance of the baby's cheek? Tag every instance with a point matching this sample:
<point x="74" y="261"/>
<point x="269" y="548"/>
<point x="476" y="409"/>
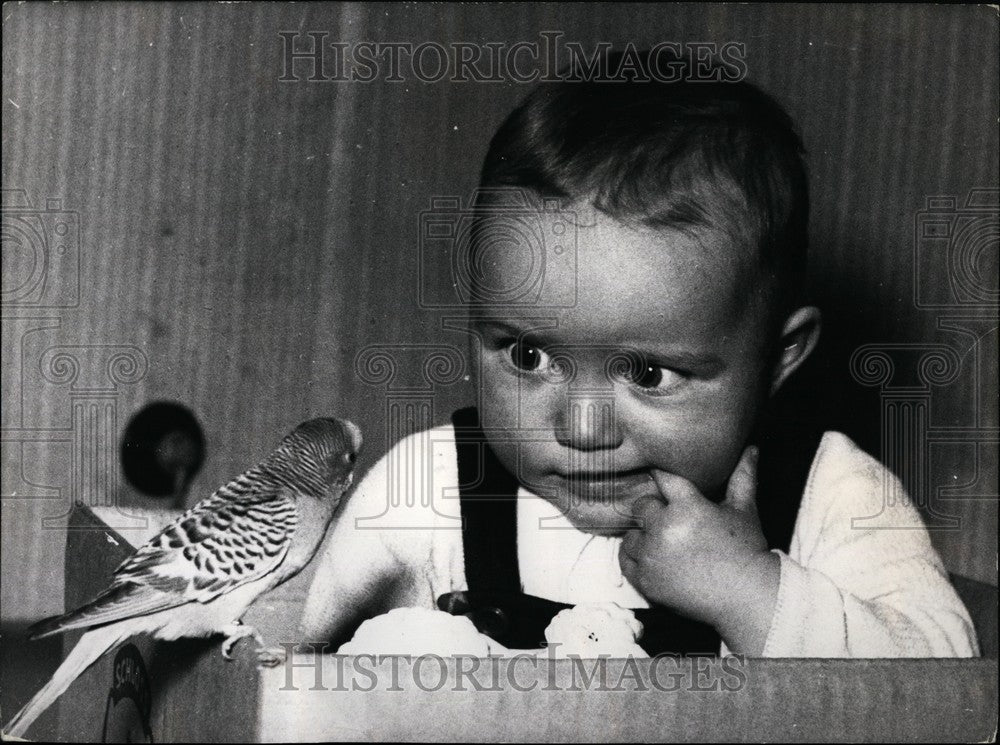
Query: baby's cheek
<point x="498" y="412"/>
<point x="702" y="449"/>
<point x="511" y="408"/>
<point x="497" y="394"/>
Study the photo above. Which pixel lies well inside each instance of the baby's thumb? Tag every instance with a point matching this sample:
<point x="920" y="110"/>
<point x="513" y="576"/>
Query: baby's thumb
<point x="741" y="494"/>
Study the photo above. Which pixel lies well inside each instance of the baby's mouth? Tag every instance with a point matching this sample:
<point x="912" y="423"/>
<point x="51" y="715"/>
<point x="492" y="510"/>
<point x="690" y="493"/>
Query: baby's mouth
<point x="605" y="486"/>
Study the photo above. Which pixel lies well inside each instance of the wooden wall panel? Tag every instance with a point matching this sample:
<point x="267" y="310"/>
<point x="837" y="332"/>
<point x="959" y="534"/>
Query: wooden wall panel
<point x="249" y="237"/>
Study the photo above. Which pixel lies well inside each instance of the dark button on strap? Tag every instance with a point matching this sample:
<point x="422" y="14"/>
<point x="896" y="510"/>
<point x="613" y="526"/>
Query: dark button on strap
<point x="491" y="621"/>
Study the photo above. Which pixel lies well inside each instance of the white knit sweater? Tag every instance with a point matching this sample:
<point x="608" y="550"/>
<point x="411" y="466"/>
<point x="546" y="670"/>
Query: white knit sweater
<point x="861" y="578"/>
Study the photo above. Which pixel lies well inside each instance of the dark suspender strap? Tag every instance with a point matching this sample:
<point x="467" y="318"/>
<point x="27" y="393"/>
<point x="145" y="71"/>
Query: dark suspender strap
<point x="489" y="510"/>
<point x="788" y="447"/>
<point x="488" y="499"/>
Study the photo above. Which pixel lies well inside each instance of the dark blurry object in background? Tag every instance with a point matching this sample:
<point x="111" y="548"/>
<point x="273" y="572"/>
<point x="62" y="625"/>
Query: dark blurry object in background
<point x="162" y="449"/>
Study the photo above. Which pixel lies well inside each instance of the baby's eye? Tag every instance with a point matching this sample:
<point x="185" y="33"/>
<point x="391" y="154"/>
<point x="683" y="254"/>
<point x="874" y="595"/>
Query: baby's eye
<point x="526" y="357"/>
<point x="650" y="378"/>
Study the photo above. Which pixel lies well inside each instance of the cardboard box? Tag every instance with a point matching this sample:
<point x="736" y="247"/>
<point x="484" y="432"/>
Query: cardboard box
<point x="185" y="691"/>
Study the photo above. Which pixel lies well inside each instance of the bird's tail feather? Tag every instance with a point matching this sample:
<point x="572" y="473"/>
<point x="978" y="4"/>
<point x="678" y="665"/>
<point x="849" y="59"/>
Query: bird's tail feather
<point x="66" y="621"/>
<point x="114" y="604"/>
<point x="90" y="647"/>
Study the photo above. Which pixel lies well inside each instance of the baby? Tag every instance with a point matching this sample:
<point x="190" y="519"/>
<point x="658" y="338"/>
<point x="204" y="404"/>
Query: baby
<point x="613" y="454"/>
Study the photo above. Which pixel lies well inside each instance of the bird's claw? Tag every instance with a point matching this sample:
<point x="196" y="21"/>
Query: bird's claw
<point x="271" y="656"/>
<point x="227" y="648"/>
<point x="234" y="632"/>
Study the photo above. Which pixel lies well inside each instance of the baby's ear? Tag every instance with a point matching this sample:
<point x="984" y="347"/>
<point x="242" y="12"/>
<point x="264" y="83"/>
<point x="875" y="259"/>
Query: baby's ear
<point x="798" y="339"/>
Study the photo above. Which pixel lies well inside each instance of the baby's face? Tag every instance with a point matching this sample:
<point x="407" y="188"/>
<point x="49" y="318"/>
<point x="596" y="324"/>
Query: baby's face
<point x="586" y="442"/>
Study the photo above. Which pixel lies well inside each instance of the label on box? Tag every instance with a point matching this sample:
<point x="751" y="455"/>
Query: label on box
<point x="126" y="716"/>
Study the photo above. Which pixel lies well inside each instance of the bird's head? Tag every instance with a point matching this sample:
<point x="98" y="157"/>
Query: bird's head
<point x="318" y="457"/>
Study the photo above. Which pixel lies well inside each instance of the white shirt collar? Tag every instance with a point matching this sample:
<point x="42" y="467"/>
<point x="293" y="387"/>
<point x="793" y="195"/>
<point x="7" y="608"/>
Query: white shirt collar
<point x="559" y="562"/>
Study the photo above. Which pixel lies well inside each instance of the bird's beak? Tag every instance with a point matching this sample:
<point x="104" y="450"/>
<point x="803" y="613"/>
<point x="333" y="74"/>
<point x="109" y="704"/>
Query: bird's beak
<point x="356" y="439"/>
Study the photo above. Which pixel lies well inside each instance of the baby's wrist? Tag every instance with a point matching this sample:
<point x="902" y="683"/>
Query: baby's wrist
<point x="744" y="618"/>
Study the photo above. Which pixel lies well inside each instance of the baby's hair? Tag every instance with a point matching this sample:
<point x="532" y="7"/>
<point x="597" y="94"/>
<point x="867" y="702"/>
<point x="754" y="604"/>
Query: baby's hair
<point x="687" y="155"/>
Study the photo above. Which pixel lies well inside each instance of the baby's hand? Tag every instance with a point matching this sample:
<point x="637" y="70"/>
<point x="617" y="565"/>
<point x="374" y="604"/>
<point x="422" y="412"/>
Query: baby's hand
<point x="705" y="560"/>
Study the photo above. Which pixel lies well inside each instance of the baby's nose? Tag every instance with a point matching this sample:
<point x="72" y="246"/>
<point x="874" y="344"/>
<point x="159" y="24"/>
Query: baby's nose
<point x="588" y="423"/>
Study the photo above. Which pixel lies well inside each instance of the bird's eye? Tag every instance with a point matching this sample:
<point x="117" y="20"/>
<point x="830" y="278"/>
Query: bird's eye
<point x="350" y="458"/>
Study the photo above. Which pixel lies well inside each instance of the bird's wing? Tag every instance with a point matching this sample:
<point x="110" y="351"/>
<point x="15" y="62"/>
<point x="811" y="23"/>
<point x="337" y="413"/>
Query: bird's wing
<point x="219" y="544"/>
<point x="222" y="542"/>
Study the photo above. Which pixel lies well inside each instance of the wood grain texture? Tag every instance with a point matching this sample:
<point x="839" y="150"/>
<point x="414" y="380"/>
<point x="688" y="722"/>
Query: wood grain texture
<point x="250" y="237"/>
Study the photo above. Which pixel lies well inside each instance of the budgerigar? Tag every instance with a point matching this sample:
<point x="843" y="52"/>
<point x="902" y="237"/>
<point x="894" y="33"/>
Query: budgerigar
<point x="198" y="576"/>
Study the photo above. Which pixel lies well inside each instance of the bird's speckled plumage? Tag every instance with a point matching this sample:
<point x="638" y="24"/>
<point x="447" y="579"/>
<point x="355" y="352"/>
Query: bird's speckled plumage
<point x="199" y="575"/>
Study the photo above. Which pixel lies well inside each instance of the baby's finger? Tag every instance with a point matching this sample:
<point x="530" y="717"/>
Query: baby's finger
<point x="644" y="510"/>
<point x="741" y="493"/>
<point x="676" y="490"/>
